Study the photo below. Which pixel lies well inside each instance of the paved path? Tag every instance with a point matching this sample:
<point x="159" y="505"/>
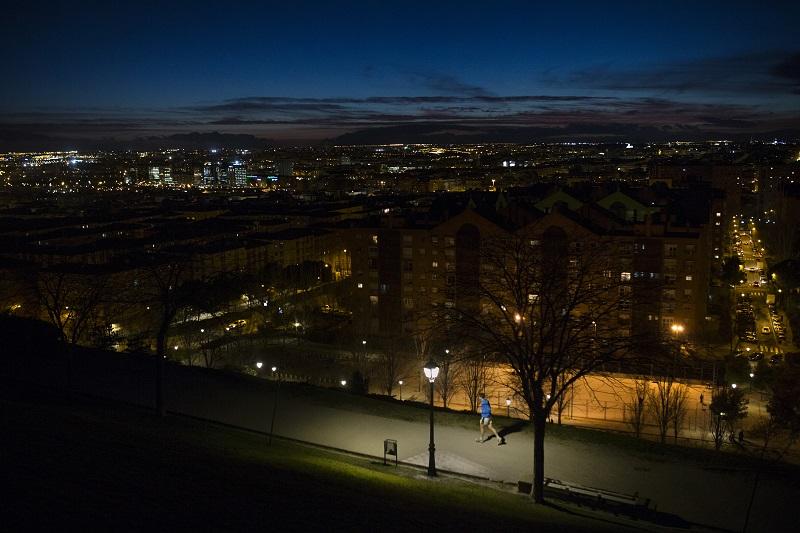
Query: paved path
<point x="698" y="493"/>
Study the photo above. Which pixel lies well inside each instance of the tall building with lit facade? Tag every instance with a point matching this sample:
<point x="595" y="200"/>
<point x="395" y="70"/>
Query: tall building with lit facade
<point x="237" y="175"/>
<point x="160" y="175"/>
<point x="404" y="269"/>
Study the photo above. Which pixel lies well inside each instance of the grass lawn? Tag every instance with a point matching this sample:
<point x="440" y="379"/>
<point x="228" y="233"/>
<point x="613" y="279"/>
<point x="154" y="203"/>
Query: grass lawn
<point x="77" y="464"/>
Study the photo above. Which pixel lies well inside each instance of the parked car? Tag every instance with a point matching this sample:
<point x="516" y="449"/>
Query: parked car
<point x="757" y="356"/>
<point x="765" y="330"/>
<point x="236" y="324"/>
<point x="776" y="359"/>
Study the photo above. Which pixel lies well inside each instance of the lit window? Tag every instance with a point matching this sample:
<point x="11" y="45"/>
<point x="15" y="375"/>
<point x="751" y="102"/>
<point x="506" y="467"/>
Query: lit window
<point x="719" y="214"/>
<point x="435" y="264"/>
<point x="375" y="239"/>
<point x="360" y="285"/>
<point x="625" y="276"/>
<point x="689" y="277"/>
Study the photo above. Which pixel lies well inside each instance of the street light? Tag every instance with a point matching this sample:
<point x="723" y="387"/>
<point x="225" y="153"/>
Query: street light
<point x="274" y="404"/>
<point x="431" y="372"/>
<point x="259" y="365"/>
<point x="401" y="389"/>
<point x="733" y="385"/>
<point x="508" y="407"/>
<point x="343" y="382"/>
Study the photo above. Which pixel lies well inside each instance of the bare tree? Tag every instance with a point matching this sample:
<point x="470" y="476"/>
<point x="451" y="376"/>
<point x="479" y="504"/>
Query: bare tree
<point x="422" y="341"/>
<point x="666" y="403"/>
<point x="449" y="376"/>
<point x="562" y="402"/>
<point x="473" y="378"/>
<point x="390" y="361"/>
<point x="73" y="303"/>
<point x="635" y="406"/>
<point x="167" y="275"/>
<point x="679" y="409"/>
<point x="549" y="305"/>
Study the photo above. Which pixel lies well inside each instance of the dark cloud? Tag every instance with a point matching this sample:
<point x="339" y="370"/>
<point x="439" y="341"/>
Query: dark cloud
<point x="789" y="69"/>
<point x="276" y="103"/>
<point x="447" y="84"/>
<point x="774" y="72"/>
<point x="494" y="115"/>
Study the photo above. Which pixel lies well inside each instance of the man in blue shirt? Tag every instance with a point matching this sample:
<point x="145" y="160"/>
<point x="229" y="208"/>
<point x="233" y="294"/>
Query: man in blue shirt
<point x="486" y="420"/>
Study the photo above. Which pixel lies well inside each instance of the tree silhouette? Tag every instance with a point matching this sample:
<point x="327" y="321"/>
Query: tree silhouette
<point x="548" y="305"/>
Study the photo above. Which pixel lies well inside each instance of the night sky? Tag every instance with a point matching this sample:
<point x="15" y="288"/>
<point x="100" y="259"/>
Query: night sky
<point x="309" y="71"/>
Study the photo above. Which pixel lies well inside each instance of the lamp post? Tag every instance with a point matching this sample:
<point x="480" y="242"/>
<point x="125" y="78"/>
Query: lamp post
<point x="274" y="404"/>
<point x="508" y="407"/>
<point x="296" y="336"/>
<point x="431" y="372"/>
<point x="677" y="331"/>
<point x="401" y="389"/>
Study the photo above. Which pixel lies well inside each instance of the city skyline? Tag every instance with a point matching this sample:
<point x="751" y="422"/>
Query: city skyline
<point x="95" y="74"/>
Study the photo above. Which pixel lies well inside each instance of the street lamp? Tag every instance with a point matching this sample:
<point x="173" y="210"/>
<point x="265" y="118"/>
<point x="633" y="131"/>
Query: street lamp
<point x="343" y="382"/>
<point x="259" y="365"/>
<point x="274" y="404"/>
<point x="733" y="385"/>
<point x="401" y="389"/>
<point x="431" y="372"/>
<point x="508" y="407"/>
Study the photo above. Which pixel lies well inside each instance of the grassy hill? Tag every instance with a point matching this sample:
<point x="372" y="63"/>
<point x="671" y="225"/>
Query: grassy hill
<point x="78" y="464"/>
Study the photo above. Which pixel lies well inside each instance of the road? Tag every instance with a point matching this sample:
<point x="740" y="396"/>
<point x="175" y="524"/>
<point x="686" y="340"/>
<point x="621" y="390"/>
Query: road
<point x="754" y="292"/>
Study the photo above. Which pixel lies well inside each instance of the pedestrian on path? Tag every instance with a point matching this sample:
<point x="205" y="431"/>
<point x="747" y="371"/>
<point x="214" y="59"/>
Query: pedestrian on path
<point x="486" y="420"/>
<point x="701" y="398"/>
